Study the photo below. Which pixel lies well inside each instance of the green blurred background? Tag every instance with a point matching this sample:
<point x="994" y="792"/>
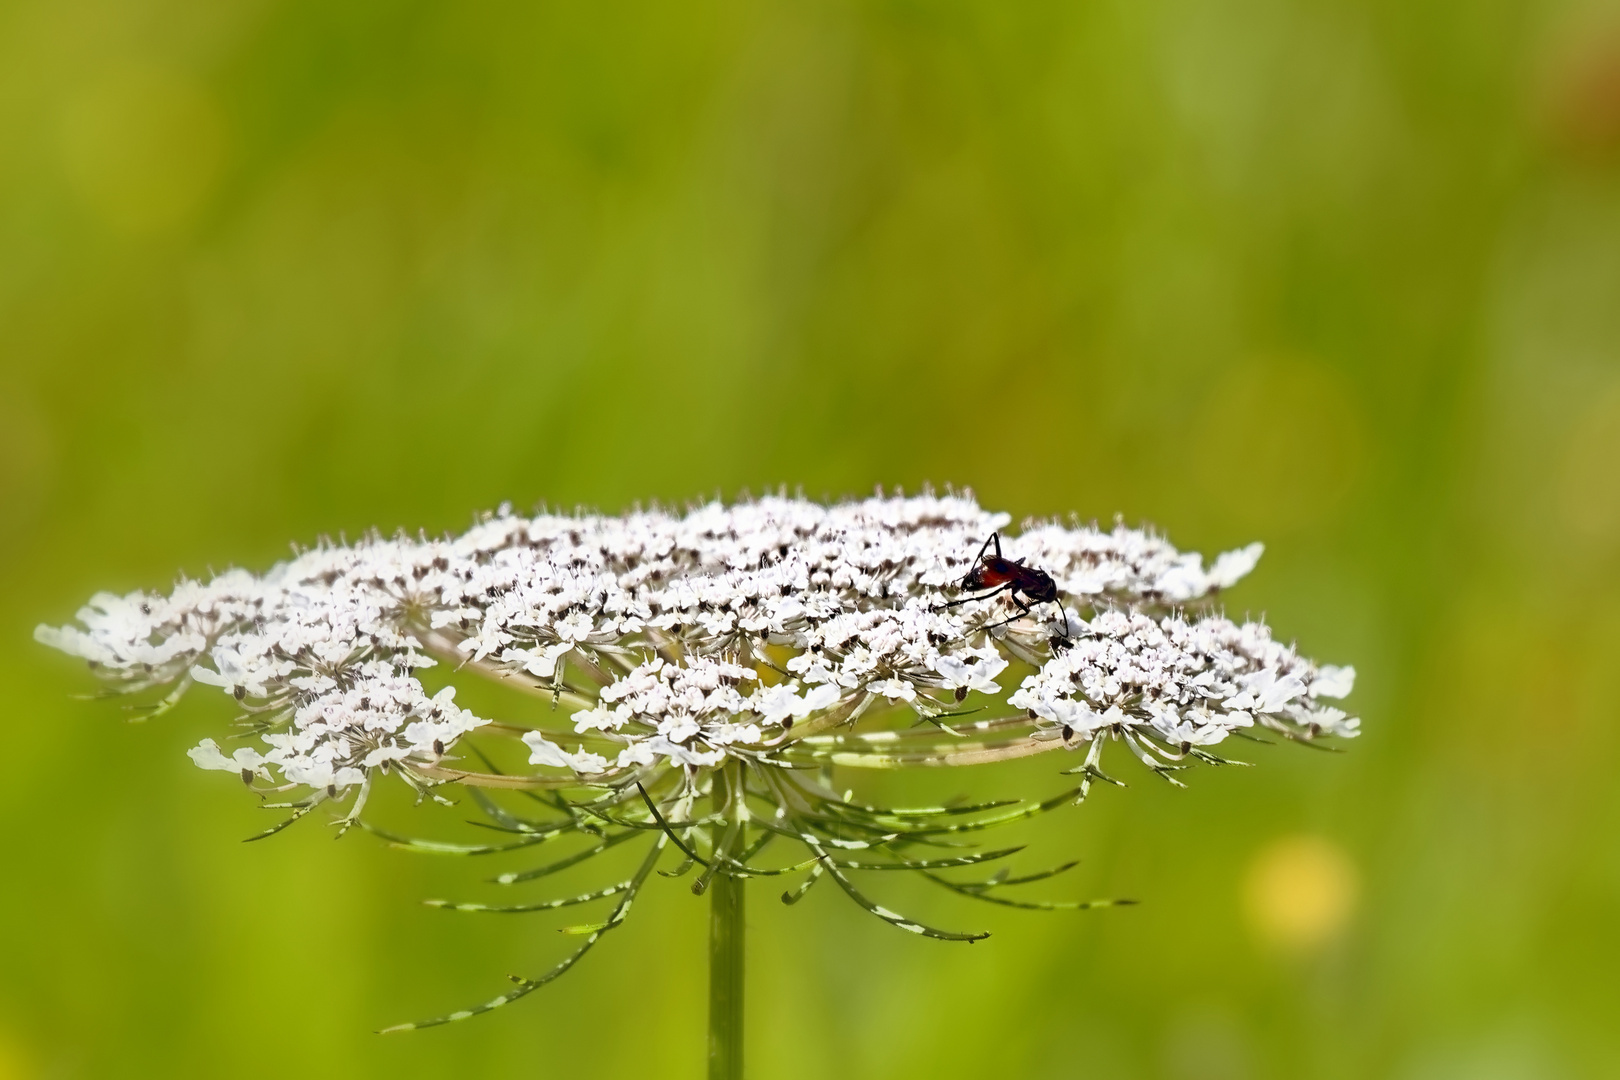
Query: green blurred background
<point x="1341" y="275"/>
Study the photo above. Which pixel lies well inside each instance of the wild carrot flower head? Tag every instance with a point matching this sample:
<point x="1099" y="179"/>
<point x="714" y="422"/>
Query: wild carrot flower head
<point x="778" y="638"/>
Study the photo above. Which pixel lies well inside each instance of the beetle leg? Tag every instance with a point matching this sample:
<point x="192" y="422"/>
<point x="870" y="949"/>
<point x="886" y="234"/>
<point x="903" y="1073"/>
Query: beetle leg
<point x="1023" y="609"/>
<point x="1063" y="622"/>
<point x="995" y="592"/>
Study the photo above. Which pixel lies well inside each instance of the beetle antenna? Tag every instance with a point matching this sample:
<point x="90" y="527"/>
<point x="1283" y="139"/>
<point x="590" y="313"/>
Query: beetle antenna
<point x="996" y="538"/>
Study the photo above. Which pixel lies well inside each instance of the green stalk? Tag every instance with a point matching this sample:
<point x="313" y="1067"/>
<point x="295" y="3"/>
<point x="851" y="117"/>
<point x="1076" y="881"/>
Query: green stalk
<point x="726" y="947"/>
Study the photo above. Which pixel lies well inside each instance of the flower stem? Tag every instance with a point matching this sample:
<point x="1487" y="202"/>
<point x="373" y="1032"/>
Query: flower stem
<point x="726" y="929"/>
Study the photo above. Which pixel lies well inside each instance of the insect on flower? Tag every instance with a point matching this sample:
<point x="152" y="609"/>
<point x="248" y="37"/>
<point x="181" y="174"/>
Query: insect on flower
<point x="1003" y="575"/>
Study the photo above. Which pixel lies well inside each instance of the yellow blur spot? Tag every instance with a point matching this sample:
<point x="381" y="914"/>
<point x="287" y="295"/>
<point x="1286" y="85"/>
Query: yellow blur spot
<point x="13" y="1061"/>
<point x="1300" y="892"/>
<point x="142" y="146"/>
<point x="1589" y="481"/>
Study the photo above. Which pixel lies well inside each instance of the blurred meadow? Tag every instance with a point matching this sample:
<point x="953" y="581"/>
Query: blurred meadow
<point x="1341" y="276"/>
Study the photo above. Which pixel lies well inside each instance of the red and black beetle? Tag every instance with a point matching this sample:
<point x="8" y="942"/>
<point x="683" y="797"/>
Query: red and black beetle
<point x="1025" y="585"/>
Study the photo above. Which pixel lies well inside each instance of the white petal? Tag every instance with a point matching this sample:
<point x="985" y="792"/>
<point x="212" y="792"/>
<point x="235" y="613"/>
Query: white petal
<point x="1333" y="682"/>
<point x="543" y="751"/>
<point x="1231" y="566"/>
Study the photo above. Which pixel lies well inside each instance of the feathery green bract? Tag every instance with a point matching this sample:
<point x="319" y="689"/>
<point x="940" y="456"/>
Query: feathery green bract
<point x="544" y="905"/>
<point x="528" y="986"/>
<point x="439" y="847"/>
<point x="793" y="896"/>
<point x="981" y="892"/>
<point x="513" y="877"/>
<point x="839" y="836"/>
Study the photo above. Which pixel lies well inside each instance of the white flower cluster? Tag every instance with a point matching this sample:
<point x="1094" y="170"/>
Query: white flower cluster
<point x="322" y="657"/>
<point x="1183" y="683"/>
<point x="1128" y="564"/>
<point x="685" y="638"/>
